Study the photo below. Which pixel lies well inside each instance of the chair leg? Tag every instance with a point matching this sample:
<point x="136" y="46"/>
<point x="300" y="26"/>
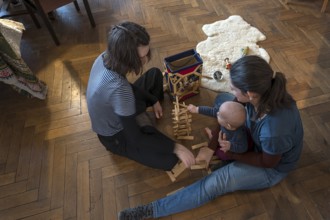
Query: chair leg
<point x="324" y="6"/>
<point x="35" y="20"/>
<point x="89" y="13"/>
<point x="31" y="13"/>
<point x="50" y="28"/>
<point x="76" y="5"/>
<point x="44" y="17"/>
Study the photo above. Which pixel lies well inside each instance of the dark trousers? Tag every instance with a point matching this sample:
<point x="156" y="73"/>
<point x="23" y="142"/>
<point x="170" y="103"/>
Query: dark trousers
<point x="151" y="82"/>
<point x="154" y="154"/>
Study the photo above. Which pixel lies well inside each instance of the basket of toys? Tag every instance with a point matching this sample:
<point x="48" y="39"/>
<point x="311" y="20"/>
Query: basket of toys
<point x="183" y="73"/>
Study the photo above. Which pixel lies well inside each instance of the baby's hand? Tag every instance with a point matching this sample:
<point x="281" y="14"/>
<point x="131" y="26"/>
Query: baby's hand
<point x="224" y="144"/>
<point x="192" y="108"/>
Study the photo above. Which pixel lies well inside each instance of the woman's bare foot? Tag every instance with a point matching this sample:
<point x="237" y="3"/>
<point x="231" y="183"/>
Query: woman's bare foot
<point x="208" y="132"/>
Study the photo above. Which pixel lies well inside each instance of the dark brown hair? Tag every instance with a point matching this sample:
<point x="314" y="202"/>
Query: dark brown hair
<point x="122" y="55"/>
<point x="254" y="74"/>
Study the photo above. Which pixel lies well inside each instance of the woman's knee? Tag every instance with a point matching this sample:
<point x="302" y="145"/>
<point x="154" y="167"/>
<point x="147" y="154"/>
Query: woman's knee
<point x="223" y="97"/>
<point x="156" y="72"/>
<point x="218" y="183"/>
<point x="115" y="145"/>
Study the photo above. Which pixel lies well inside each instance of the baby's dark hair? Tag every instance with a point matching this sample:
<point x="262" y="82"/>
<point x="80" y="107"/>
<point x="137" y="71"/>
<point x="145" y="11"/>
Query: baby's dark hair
<point x="254" y="74"/>
<point x="122" y="55"/>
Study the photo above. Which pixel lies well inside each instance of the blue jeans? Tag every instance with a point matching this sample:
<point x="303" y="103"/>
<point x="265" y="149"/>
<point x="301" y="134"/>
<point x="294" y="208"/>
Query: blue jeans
<point x="232" y="177"/>
<point x="223" y="97"/>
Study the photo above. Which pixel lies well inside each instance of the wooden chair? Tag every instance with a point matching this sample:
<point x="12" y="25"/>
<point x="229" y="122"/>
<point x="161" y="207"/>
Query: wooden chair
<point x="324" y="6"/>
<point x="43" y="7"/>
<point x="6" y="11"/>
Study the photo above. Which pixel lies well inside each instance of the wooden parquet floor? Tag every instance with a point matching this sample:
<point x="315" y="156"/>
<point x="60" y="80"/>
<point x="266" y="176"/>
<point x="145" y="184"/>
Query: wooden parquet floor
<point x="52" y="165"/>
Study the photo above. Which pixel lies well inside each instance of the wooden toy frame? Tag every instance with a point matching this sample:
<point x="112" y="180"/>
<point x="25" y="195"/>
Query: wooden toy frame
<point x="184" y="86"/>
<point x="183" y="74"/>
<point x="181" y="121"/>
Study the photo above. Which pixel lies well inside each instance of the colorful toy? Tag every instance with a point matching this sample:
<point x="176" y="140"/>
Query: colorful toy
<point x="228" y="64"/>
<point x="245" y="51"/>
<point x="183" y="73"/>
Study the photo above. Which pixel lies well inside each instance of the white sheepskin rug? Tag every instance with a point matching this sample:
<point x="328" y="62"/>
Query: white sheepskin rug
<point x="226" y="39"/>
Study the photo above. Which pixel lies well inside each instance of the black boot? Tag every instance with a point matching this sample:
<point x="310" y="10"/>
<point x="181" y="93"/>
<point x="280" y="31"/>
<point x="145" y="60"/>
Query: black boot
<point x="137" y="213"/>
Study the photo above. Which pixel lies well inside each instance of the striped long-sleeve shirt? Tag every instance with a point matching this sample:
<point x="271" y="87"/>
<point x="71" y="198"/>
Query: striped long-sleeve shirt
<point x="109" y="95"/>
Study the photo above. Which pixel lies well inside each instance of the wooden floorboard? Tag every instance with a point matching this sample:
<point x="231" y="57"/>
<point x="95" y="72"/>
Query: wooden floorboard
<point x="52" y="165"/>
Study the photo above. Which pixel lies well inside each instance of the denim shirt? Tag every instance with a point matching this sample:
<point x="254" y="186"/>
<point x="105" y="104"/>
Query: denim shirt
<point x="279" y="132"/>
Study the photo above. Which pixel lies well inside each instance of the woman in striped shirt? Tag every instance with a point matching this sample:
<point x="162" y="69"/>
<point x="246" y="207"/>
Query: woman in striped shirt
<point x="114" y="103"/>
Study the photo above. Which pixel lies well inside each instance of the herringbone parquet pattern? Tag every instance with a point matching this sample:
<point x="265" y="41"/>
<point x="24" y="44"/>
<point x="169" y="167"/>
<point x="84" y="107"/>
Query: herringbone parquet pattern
<point x="52" y="165"/>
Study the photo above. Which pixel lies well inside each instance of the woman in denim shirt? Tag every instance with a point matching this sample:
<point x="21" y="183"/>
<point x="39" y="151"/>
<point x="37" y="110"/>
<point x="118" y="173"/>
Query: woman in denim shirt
<point x="277" y="132"/>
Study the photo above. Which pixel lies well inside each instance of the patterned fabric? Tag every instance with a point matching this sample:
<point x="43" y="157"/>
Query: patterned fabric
<point x="13" y="69"/>
<point x="230" y="39"/>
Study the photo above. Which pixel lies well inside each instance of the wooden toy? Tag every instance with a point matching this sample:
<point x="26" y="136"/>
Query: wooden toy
<point x="214" y="160"/>
<point x="228" y="64"/>
<point x="183" y="73"/>
<point x="202" y="164"/>
<point x="182" y="119"/>
<point x="176" y="171"/>
<point x="196" y="146"/>
<point x="207" y="77"/>
<point x="199" y="165"/>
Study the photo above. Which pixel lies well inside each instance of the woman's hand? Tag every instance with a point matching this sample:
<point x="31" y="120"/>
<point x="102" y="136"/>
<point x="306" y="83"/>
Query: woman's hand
<point x="185" y="155"/>
<point x="224" y="144"/>
<point x="158" y="110"/>
<point x="205" y="154"/>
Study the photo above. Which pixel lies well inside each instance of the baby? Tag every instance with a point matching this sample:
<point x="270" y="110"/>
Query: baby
<point x="231" y="117"/>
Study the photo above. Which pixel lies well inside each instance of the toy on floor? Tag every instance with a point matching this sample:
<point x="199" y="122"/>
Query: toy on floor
<point x="217" y="75"/>
<point x="183" y="73"/>
<point x="176" y="171"/>
<point x="245" y="51"/>
<point x="182" y="121"/>
<point x="202" y="164"/>
<point x="207" y="77"/>
<point x="228" y="64"/>
<point x="199" y="165"/>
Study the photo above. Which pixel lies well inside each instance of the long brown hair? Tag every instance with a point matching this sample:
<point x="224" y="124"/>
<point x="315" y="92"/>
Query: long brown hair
<point x="254" y="74"/>
<point x="122" y="55"/>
